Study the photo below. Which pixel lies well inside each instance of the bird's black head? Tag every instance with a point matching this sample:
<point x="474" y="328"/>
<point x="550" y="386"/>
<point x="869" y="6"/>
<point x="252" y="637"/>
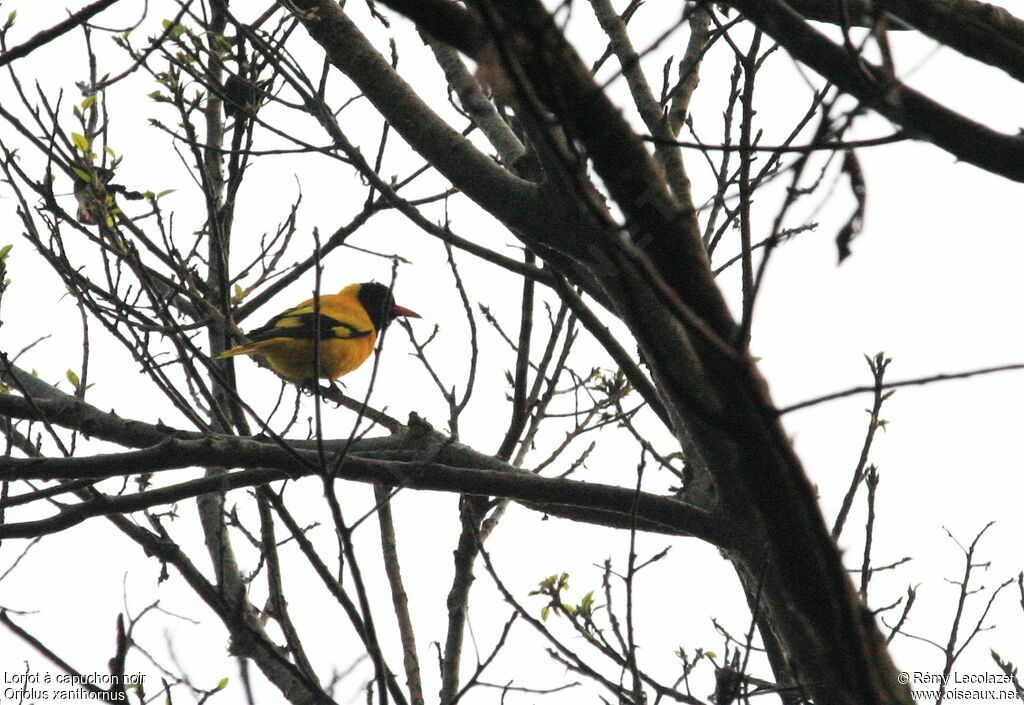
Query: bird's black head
<point x="380" y="305"/>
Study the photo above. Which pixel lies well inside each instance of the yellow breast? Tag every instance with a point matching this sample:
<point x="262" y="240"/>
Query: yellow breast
<point x="293" y="358"/>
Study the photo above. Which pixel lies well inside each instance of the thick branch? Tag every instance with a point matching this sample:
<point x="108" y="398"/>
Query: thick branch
<point x="461" y="28"/>
<point x="668" y="298"/>
<point x="859" y="13"/>
<point x="643" y="97"/>
<point x="446" y="21"/>
<point x="606" y="504"/>
<point x="485" y="115"/>
<point x="981" y="31"/>
<point x="964" y="138"/>
<point x="512" y="200"/>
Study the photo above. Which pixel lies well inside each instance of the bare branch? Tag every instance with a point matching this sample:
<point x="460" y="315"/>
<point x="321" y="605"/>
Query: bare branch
<point x="46" y="36"/>
<point x="904" y="383"/>
<point x="915" y="112"/>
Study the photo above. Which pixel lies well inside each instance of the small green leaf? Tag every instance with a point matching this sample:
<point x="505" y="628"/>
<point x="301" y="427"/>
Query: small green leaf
<point x="165" y="192"/>
<point x="81" y="141"/>
<point x="10" y="19"/>
<point x="222" y="684"/>
<point x="4" y="251"/>
<point x="90" y="100"/>
<point x="544" y="612"/>
<point x="73" y="378"/>
<point x="82" y="174"/>
<point x="174" y="31"/>
<point x="239" y="291"/>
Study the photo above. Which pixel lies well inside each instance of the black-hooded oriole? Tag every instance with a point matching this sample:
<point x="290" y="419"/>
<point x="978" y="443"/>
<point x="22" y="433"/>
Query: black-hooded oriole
<point x="349" y="323"/>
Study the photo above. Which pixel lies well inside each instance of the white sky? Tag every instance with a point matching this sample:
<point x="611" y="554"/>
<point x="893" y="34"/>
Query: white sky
<point x="934" y="281"/>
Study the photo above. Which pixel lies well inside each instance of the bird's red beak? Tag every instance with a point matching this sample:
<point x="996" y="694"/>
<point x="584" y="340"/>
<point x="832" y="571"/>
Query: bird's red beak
<point x="397" y="311"/>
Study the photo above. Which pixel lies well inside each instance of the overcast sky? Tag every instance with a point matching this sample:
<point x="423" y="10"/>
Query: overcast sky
<point x="935" y="281"/>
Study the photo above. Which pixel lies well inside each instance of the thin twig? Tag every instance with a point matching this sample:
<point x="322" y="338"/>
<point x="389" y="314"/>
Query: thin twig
<point x="895" y="385"/>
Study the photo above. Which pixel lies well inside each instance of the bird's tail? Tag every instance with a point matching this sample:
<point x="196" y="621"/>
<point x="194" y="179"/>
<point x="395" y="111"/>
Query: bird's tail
<point x="247" y="349"/>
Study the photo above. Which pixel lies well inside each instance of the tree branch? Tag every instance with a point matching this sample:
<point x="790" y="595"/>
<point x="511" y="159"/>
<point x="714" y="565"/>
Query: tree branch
<point x="917" y="381"/>
<point x="399" y="598"/>
<point x="960" y="136"/>
<point x="506" y="196"/>
<point x="663" y="270"/>
<point x="604" y="504"/>
<point x="981" y="31"/>
<point x="48" y="35"/>
<point x="643" y="97"/>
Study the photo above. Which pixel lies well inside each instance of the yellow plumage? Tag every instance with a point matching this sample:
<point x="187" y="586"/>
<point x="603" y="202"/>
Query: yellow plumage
<point x="349" y="322"/>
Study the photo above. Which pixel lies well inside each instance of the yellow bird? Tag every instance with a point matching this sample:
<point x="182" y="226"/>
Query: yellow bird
<point x="348" y="326"/>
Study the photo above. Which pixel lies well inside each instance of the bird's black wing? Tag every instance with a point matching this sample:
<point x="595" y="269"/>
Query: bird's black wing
<point x="302" y="323"/>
